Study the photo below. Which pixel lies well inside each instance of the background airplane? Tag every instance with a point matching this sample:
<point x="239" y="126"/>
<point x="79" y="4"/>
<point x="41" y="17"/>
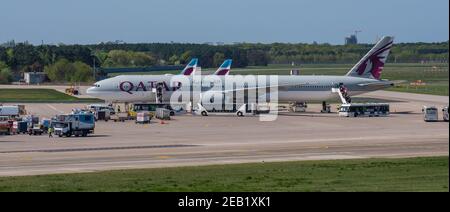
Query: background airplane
<point x="225" y="68"/>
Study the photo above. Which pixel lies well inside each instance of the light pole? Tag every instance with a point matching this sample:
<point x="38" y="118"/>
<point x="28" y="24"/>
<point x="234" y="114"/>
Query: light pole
<point x="93" y="63"/>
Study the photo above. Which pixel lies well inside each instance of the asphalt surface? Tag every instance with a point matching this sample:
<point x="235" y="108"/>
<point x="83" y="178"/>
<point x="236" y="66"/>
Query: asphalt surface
<point x="195" y="140"/>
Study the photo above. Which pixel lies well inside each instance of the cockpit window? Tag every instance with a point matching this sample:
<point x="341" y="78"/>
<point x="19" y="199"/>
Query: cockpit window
<point x="97" y="85"/>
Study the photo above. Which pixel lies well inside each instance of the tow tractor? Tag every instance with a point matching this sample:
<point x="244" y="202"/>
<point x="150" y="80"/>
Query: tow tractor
<point x="37" y="129"/>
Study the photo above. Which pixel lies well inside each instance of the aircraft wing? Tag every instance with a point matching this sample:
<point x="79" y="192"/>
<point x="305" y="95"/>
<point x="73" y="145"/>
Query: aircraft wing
<point x="376" y="84"/>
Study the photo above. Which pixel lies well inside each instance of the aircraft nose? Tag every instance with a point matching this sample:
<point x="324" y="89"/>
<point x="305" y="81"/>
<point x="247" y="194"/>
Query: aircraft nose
<point x="90" y="90"/>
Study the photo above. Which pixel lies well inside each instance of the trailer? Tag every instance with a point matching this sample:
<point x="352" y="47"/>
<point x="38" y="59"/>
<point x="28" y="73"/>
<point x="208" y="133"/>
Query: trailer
<point x="298" y="107"/>
<point x="143" y="117"/>
<point x="122" y="117"/>
<point x="81" y="123"/>
<point x="152" y="107"/>
<point x="104" y="115"/>
<point x="162" y="113"/>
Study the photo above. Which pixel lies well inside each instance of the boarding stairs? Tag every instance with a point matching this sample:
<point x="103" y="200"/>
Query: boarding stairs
<point x="343" y="94"/>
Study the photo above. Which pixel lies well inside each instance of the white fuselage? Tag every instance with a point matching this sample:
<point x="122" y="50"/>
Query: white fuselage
<point x="141" y="88"/>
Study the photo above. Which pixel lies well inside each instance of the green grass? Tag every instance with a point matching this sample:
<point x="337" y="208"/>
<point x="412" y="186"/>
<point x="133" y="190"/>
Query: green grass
<point x="434" y="75"/>
<point x="409" y="174"/>
<point x="39" y="96"/>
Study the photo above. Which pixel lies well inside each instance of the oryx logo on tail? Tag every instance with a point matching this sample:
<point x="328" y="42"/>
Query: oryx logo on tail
<point x="372" y="64"/>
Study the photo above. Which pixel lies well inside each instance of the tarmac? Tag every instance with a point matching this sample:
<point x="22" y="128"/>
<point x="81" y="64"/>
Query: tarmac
<point x="189" y="140"/>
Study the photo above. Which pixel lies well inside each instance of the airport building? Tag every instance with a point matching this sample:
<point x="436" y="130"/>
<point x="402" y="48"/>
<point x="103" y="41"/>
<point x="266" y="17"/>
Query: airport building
<point x="351" y="40"/>
<point x="34" y="77"/>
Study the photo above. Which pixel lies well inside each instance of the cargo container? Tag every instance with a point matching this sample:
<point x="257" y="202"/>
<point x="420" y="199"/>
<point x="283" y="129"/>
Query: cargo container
<point x="143" y="118"/>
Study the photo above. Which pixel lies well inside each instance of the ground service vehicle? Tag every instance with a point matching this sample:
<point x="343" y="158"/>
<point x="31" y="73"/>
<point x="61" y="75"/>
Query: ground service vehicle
<point x="6" y="126"/>
<point x="100" y="107"/>
<point x="162" y="113"/>
<point x="119" y="117"/>
<point x="364" y="109"/>
<point x="143" y="117"/>
<point x="102" y="115"/>
<point x="77" y="124"/>
<point x="445" y="113"/>
<point x="37" y="129"/>
<point x="235" y="109"/>
<point x="20" y="127"/>
<point x="430" y="113"/>
<point x="149" y="107"/>
<point x="11" y="111"/>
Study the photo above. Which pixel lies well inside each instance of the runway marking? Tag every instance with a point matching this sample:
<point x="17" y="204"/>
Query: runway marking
<point x="97" y="148"/>
<point x="54" y="108"/>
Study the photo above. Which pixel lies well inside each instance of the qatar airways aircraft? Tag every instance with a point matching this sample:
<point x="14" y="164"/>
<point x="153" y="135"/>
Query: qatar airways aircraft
<point x="364" y="77"/>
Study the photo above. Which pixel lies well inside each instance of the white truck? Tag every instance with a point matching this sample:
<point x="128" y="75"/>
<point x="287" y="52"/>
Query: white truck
<point x="430" y="113"/>
<point x="77" y="124"/>
<point x="10" y="111"/>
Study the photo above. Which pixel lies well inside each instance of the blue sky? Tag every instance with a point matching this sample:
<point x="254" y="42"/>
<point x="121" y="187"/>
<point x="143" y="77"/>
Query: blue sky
<point x="199" y="21"/>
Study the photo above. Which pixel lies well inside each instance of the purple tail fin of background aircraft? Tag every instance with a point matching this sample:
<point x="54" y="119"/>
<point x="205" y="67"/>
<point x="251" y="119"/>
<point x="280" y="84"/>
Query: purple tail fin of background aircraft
<point x="190" y="67"/>
<point x="225" y="68"/>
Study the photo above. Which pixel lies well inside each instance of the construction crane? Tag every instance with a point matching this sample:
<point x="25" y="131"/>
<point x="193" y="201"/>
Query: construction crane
<point x="352" y="39"/>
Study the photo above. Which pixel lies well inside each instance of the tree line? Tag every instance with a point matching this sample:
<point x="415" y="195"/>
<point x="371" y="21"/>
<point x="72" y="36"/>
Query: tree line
<point x="74" y="63"/>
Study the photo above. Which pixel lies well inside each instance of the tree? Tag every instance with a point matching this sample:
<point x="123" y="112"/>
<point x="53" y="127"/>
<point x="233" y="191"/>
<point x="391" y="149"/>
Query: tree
<point x="61" y="71"/>
<point x="121" y="58"/>
<point x="142" y="59"/>
<point x="5" y="76"/>
<point x="174" y="60"/>
<point x="118" y="58"/>
<point x="218" y="59"/>
<point x="3" y="65"/>
<point x="257" y="58"/>
<point x="83" y="73"/>
<point x="185" y="57"/>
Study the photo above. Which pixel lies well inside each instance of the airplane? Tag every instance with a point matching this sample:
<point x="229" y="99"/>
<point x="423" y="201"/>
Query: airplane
<point x="224" y="69"/>
<point x="363" y="77"/>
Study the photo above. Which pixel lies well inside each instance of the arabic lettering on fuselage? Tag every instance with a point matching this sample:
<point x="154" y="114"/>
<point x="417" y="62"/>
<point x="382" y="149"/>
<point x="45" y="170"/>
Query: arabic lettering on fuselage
<point x="131" y="87"/>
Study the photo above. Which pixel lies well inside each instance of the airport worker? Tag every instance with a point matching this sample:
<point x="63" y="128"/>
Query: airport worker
<point x="50" y="132"/>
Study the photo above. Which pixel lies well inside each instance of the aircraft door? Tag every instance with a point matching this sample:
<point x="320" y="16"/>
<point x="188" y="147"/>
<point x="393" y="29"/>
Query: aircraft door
<point x="159" y="92"/>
